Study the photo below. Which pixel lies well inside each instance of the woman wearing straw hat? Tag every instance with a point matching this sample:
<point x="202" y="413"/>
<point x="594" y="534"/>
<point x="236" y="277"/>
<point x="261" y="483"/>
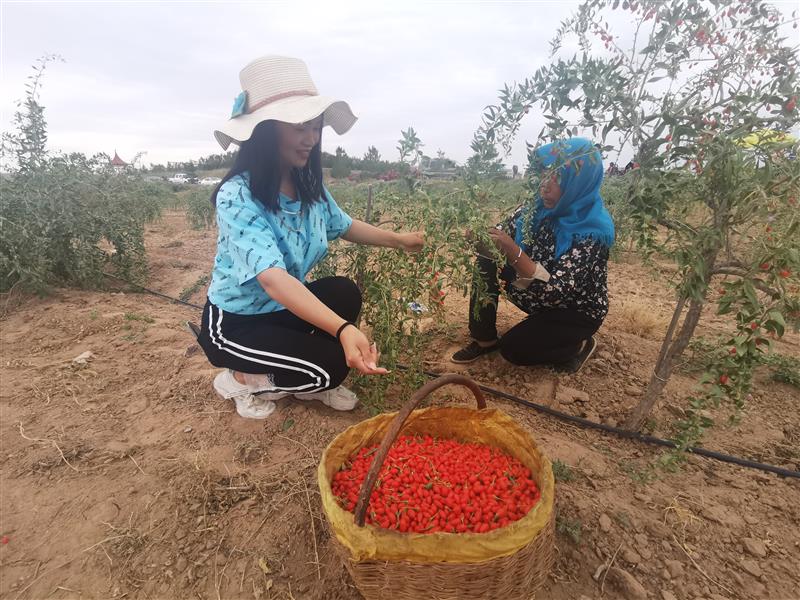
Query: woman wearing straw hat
<point x="274" y="334"/>
<point x="555" y="269"/>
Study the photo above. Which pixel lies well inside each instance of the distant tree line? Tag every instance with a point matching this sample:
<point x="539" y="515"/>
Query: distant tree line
<point x="340" y="163"/>
<point x="206" y="163"/>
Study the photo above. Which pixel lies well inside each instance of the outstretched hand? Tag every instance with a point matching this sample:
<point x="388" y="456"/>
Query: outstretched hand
<point x="359" y="353"/>
<point x="411" y="242"/>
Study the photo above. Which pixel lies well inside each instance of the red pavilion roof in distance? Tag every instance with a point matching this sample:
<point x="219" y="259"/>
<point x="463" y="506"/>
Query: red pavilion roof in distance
<point x="117" y="161"/>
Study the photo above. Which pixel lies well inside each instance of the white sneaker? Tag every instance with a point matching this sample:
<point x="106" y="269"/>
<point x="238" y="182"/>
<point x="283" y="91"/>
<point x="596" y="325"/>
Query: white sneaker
<point x="248" y="404"/>
<point x="339" y="398"/>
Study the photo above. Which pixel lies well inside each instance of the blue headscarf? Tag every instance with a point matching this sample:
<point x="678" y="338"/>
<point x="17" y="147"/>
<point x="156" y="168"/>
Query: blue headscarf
<point x="580" y="213"/>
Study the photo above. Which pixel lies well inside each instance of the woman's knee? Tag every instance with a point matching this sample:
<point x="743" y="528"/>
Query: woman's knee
<point x="349" y="292"/>
<point x="340" y="294"/>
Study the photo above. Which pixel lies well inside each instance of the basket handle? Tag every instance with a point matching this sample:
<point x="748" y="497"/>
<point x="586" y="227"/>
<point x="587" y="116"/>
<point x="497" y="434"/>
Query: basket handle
<point x="394" y="429"/>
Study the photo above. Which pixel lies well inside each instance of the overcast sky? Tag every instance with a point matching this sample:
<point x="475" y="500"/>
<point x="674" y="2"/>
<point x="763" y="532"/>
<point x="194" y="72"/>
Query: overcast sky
<point x="159" y="77"/>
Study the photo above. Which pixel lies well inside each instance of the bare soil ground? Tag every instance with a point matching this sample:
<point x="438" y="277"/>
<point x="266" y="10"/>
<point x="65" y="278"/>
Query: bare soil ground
<point x="126" y="477"/>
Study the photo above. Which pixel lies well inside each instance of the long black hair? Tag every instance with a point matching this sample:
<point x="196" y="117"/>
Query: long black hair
<point x="259" y="157"/>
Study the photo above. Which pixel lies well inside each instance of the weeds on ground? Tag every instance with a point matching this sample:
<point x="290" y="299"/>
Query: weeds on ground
<point x="639" y="475"/>
<point x="132" y="316"/>
<point x="191" y="290"/>
<point x="562" y="472"/>
<point x="571" y="528"/>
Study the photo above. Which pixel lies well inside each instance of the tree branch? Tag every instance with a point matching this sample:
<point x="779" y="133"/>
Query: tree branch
<point x="675" y="225"/>
<point x="741" y="272"/>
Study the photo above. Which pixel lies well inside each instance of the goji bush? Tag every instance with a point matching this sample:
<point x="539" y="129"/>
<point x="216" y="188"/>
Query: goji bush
<point x="701" y="97"/>
<point x="199" y="210"/>
<point x="65" y="218"/>
<point x="403" y="293"/>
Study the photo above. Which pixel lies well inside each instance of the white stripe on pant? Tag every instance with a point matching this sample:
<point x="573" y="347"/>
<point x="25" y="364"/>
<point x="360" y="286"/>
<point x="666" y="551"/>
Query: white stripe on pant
<point x="223" y="344"/>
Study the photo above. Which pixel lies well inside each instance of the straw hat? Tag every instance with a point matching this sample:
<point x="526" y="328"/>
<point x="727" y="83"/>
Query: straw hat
<point x="280" y="88"/>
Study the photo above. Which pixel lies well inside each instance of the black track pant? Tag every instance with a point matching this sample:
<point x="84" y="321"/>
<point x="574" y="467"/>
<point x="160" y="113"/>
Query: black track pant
<point x="545" y="337"/>
<point x="299" y="357"/>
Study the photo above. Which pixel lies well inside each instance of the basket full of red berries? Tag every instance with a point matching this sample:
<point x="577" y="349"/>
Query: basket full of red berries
<point x="440" y="502"/>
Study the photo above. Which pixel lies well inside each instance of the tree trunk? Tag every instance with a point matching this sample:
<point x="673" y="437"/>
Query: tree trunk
<point x="670" y="350"/>
<point x="368" y="212"/>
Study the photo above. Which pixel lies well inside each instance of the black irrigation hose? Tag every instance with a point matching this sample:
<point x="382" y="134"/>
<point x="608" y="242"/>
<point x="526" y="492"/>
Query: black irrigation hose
<point x="155" y="293"/>
<point x="625" y="433"/>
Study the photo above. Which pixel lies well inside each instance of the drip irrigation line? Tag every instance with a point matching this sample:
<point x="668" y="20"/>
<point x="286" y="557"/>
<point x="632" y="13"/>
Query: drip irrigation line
<point x="580" y="421"/>
<point x="155" y="293"/>
<point x="627" y="433"/>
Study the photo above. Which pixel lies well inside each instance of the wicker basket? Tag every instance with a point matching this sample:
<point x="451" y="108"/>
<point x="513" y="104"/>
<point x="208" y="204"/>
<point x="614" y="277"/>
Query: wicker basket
<point x="509" y="563"/>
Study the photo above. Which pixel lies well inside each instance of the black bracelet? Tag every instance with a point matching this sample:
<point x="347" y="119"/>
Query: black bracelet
<point x="339" y="331"/>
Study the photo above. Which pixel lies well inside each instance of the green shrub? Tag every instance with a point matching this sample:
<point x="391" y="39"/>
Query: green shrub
<point x="199" y="210"/>
<point x="69" y="219"/>
<point x="615" y="193"/>
<point x="66" y="218"/>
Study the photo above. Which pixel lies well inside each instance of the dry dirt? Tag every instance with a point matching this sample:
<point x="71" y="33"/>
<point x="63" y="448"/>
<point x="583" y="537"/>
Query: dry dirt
<point x="125" y="477"/>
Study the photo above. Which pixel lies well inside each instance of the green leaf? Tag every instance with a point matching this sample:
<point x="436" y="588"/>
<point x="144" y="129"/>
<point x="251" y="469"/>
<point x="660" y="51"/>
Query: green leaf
<point x="776" y="322"/>
<point x="287" y="424"/>
<point x="750" y="292"/>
